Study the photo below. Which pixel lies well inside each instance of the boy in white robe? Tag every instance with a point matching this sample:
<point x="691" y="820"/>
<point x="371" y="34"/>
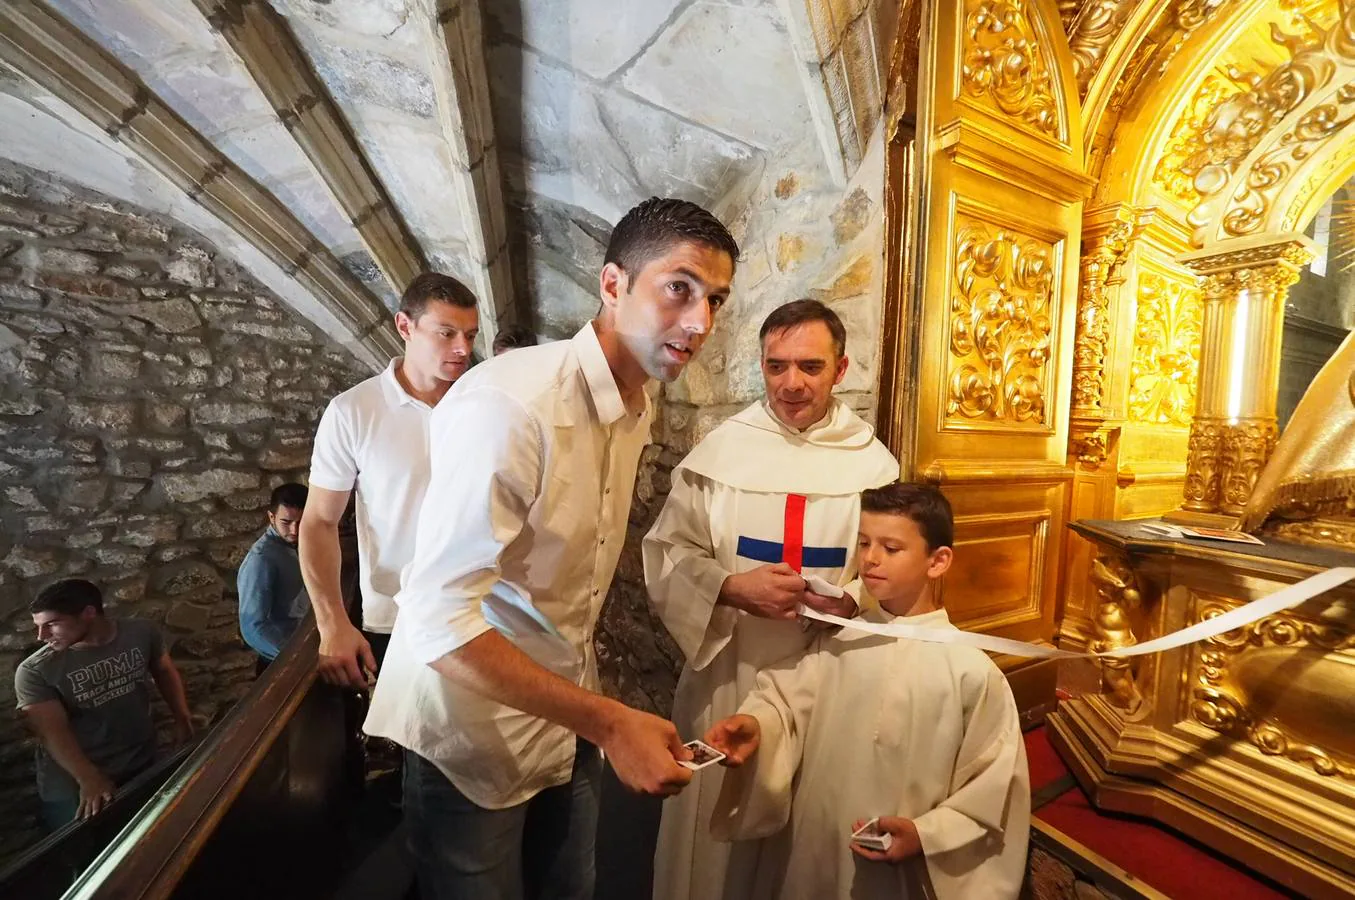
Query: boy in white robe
<point x="770" y="495"/>
<point x="924" y="736"/>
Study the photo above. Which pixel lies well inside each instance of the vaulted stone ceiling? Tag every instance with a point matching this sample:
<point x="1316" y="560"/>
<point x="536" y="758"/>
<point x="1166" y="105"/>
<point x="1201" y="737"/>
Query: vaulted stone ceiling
<point x="497" y="141"/>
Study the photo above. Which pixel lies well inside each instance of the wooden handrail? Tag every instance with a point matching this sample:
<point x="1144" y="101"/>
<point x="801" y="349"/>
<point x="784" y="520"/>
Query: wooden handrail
<point x="150" y="855"/>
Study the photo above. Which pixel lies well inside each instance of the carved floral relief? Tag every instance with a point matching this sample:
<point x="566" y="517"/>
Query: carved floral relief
<point x="1001" y="325"/>
<point x="1165" y="371"/>
<point x="1004" y="67"/>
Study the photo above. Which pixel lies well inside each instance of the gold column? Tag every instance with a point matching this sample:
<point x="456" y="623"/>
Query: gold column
<point x="1245" y="286"/>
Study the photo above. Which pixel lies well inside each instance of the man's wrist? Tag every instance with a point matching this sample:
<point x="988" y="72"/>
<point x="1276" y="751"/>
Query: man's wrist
<point x="600" y="722"/>
<point x="729" y="593"/>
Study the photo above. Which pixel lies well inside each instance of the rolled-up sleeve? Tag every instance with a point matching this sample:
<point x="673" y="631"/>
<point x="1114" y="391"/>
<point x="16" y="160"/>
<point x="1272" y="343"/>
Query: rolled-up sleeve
<point x="486" y="460"/>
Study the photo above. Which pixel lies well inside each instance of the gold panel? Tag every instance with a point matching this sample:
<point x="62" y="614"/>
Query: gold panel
<point x="1173" y="176"/>
<point x="1286" y="684"/>
<point x="1001" y="327"/>
<point x="999" y="575"/>
<point x="1165" y="371"/>
<point x="1003" y="67"/>
<point x="1005" y="537"/>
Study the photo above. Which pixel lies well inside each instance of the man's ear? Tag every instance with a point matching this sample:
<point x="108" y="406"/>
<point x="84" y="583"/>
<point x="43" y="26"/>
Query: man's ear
<point x="940" y="562"/>
<point x="611" y="285"/>
<point x="841" y="370"/>
<point x="404" y="324"/>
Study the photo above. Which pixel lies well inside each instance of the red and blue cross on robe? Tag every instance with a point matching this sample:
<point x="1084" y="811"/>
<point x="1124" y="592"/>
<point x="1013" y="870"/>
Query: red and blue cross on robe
<point x="792" y="549"/>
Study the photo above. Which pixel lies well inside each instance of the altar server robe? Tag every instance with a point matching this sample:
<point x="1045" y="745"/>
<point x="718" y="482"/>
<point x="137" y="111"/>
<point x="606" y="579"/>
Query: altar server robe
<point x="752" y="492"/>
<point x="865" y="725"/>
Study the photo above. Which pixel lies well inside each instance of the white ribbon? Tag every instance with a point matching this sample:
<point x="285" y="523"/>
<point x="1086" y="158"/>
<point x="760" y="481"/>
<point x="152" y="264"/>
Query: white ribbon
<point x="1285" y="598"/>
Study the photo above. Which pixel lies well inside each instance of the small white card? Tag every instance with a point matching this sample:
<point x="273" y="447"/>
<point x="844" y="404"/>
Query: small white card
<point x="872" y="837"/>
<point x="822" y="587"/>
<point x="703" y="755"/>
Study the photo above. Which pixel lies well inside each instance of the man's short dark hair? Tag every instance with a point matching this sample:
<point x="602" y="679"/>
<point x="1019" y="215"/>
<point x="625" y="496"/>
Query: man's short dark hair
<point x="655" y="226"/>
<point x="802" y="312"/>
<point x="512" y="338"/>
<point x="289" y="494"/>
<point x="434" y="287"/>
<point x="69" y="597"/>
<point x="923" y="503"/>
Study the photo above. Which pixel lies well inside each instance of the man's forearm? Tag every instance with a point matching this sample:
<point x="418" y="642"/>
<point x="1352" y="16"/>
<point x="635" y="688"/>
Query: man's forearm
<point x="321" y="557"/>
<point x="170" y="685"/>
<point x="492" y="666"/>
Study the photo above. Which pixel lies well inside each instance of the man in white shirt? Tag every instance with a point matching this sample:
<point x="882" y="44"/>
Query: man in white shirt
<point x="374" y="438"/>
<point x="771" y="495"/>
<point x="491" y="683"/>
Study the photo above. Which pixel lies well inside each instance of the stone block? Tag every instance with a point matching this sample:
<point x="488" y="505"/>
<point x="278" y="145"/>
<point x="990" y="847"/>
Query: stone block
<point x="83" y="540"/>
<point x="191" y="266"/>
<point x="147" y="531"/>
<point x="852" y="216"/>
<point x="166" y="416"/>
<point x="95" y="287"/>
<point x="172" y="316"/>
<point x="23" y="498"/>
<point x="756" y="97"/>
<point x="120" y="557"/>
<point x="277" y="459"/>
<point x="72" y="262"/>
<point x="224" y="525"/>
<point x="184" y="488"/>
<point x="115" y="366"/>
<point x="112" y="416"/>
<point x="173" y="553"/>
<point x="230" y="413"/>
<point x="288" y="334"/>
<point x="187" y="616"/>
<point x="27" y="562"/>
<point x="181" y="578"/>
<point x="790" y="248"/>
<point x="855" y="280"/>
<point x="248" y="501"/>
<point x="19" y="408"/>
<point x="85" y="495"/>
<point x="228" y="554"/>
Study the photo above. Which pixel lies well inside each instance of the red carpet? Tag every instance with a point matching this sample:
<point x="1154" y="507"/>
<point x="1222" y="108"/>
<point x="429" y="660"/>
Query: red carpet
<point x="1161" y="858"/>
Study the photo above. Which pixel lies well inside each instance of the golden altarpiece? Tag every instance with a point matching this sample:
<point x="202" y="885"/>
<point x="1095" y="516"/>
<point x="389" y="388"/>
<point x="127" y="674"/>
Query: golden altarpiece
<point x="1096" y="210"/>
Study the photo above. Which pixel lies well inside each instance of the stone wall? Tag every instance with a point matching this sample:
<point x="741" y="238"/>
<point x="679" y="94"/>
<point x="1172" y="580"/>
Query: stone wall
<point x="150" y="397"/>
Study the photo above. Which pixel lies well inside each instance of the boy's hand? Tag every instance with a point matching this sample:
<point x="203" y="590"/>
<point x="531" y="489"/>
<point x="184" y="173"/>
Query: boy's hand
<point x="906" y="843"/>
<point x="736" y="737"/>
<point x="843" y="607"/>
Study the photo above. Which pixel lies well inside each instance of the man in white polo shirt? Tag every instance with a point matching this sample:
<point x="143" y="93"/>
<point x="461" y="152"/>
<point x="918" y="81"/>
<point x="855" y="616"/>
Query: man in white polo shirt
<point x="374" y="438"/>
<point x="491" y="683"/>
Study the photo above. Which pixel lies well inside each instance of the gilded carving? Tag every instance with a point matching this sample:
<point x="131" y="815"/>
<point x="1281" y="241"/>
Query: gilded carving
<point x="1116" y="594"/>
<point x="1247" y="446"/>
<point x="1100" y="269"/>
<point x="1314" y="89"/>
<point x="1004" y="67"/>
<point x="1000" y="325"/>
<point x="1202" y="464"/>
<point x="1090" y="34"/>
<point x="1179" y="162"/>
<point x="1165" y="371"/>
<point x="1091" y="449"/>
<point x="1220" y="702"/>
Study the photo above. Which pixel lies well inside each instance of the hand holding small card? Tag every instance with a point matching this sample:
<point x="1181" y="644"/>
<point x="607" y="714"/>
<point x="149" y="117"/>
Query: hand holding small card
<point x="872" y="836"/>
<point x="703" y="755"/>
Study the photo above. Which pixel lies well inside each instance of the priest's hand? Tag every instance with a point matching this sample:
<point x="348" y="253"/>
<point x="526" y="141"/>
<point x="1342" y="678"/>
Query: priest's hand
<point x="736" y="737"/>
<point x="906" y="844"/>
<point x="643" y="751"/>
<point x="769" y="592"/>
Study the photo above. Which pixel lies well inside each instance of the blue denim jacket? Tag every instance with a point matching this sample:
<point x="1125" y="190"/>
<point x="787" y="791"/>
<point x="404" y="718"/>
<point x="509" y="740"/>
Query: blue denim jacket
<point x="273" y="597"/>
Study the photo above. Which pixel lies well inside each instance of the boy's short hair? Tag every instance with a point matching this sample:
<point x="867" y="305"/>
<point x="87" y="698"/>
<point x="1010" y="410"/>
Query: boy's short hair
<point x="69" y="597"/>
<point x="513" y="338"/>
<point x="289" y="494"/>
<point x="656" y="225"/>
<point x="923" y="503"/>
<point x="434" y="287"/>
<point x="802" y="312"/>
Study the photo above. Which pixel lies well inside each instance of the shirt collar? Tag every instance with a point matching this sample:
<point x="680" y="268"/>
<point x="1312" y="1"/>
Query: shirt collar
<point x="598" y="374"/>
<point x="391" y="388"/>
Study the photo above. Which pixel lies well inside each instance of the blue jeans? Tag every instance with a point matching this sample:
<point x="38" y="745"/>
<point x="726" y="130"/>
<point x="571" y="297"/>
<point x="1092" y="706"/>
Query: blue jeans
<point x="538" y="850"/>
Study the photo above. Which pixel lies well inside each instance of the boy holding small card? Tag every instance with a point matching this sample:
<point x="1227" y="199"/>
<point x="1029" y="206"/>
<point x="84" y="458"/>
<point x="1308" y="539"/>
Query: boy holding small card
<point x="876" y="766"/>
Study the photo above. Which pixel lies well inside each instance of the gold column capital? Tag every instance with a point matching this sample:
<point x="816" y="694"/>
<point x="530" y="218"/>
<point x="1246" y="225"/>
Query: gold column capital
<point x="1265" y="263"/>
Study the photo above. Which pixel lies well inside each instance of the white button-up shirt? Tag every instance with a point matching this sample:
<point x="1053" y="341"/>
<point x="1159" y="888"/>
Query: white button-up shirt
<point x="374" y="437"/>
<point x="533" y="458"/>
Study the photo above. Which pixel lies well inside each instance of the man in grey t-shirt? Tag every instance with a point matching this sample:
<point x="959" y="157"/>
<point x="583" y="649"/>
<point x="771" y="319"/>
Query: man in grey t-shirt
<point x="85" y="695"/>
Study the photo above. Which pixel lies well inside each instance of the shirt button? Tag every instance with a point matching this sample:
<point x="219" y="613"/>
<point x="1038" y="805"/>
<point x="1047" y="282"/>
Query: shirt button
<point x="595" y="592"/>
<point x="607" y="491"/>
<point x="602" y="541"/>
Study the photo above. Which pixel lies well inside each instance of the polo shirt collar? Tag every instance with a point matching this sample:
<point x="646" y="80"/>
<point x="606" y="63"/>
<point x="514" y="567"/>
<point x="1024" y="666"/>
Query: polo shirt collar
<point x="391" y="388"/>
<point x="598" y="375"/>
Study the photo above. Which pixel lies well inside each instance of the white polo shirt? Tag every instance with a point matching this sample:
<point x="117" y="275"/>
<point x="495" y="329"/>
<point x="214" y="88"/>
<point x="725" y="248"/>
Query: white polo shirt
<point x="525" y="517"/>
<point x="374" y="437"/>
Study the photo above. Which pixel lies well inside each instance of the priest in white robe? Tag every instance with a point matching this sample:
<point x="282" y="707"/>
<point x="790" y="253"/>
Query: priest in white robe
<point x="923" y="736"/>
<point x="769" y="496"/>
